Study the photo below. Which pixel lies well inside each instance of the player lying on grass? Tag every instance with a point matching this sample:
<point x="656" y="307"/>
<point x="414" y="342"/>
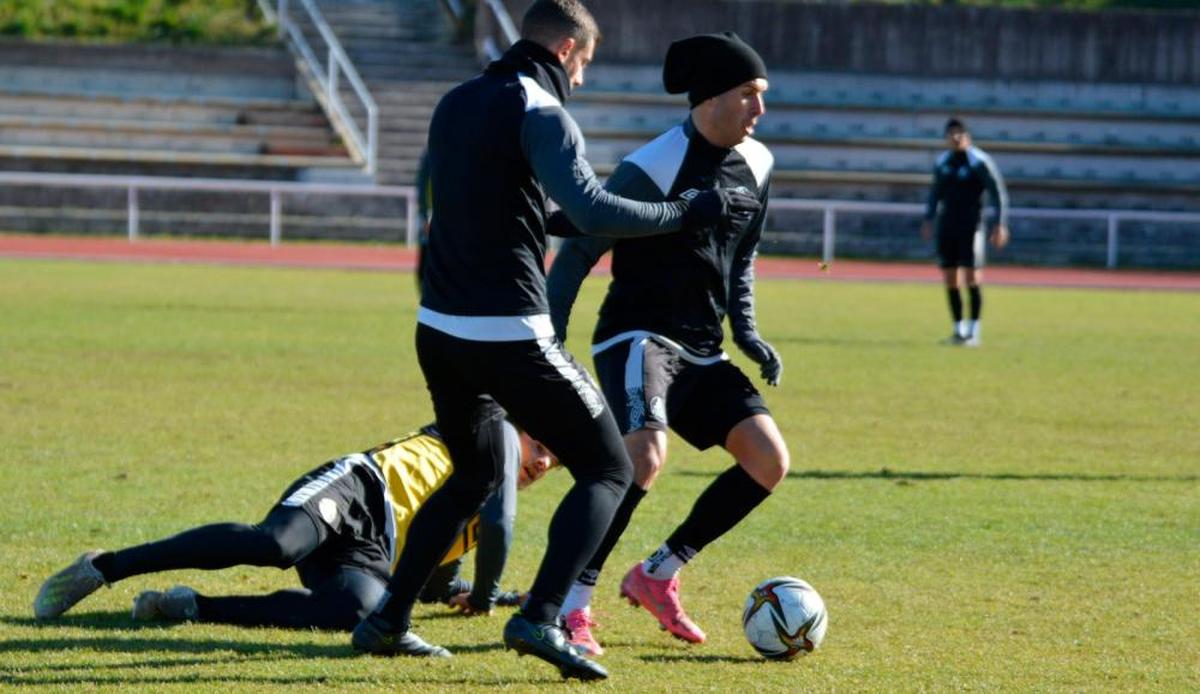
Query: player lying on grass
<point x="341" y="526"/>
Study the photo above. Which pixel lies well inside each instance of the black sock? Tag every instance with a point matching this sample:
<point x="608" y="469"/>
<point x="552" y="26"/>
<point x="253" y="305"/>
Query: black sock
<point x="976" y="301"/>
<point x="620" y="521"/>
<point x="955" y="303"/>
<point x="729" y="499"/>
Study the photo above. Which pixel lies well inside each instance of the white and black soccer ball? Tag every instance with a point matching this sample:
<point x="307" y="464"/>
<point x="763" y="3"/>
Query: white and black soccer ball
<point x="784" y="617"/>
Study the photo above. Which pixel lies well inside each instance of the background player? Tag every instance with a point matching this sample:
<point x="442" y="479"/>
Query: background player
<point x="657" y="345"/>
<point x="341" y="526"/>
<point x="960" y="178"/>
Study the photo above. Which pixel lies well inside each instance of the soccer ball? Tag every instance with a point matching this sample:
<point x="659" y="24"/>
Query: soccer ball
<point x="784" y="618"/>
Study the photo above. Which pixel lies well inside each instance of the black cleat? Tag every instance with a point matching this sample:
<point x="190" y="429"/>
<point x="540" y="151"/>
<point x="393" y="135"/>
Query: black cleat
<point x="375" y="635"/>
<point x="549" y="642"/>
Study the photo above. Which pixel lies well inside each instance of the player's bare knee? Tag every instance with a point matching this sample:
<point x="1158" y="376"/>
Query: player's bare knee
<point x="647" y="450"/>
<point x="768" y="469"/>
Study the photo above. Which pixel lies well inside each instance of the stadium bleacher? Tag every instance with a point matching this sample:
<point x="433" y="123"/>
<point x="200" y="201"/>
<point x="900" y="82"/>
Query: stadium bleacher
<point x="241" y="112"/>
<point x="156" y="110"/>
<point x="827" y="130"/>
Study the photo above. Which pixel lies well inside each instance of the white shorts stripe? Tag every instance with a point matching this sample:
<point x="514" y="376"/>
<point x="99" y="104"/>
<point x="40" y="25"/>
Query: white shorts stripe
<point x="342" y="468"/>
<point x="578" y="379"/>
<point x="635" y="383"/>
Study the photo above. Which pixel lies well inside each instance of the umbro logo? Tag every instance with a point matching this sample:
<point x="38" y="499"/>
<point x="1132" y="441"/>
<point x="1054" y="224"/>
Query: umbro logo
<point x="691" y="193"/>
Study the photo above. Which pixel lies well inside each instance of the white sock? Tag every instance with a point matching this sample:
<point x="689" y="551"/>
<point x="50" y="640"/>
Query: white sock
<point x="663" y="564"/>
<point x="960" y="329"/>
<point x="578" y="598"/>
<point x="973" y="328"/>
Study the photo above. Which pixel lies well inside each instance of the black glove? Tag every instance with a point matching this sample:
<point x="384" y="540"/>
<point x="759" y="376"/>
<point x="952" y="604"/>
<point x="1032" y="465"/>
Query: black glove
<point x="765" y="356"/>
<point x="717" y="206"/>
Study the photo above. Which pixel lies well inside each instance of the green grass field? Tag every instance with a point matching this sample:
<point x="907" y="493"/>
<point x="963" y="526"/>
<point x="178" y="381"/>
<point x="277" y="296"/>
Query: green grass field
<point x="1022" y="517"/>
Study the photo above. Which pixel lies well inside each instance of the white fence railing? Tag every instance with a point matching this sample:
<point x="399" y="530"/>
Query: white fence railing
<point x="829" y="210"/>
<point x="325" y="79"/>
<point x="275" y="190"/>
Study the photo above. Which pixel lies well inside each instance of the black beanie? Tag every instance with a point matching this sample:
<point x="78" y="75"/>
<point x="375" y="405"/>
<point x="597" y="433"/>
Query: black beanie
<point x="708" y="64"/>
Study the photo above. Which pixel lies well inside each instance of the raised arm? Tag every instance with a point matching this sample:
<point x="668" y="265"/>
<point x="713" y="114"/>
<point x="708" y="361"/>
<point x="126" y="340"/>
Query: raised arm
<point x="553" y="146"/>
<point x="579" y="254"/>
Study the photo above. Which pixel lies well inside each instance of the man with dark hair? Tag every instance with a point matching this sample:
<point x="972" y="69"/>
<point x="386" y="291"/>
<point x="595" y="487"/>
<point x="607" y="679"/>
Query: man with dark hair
<point x="549" y="21"/>
<point x="657" y="343"/>
<point x="340" y="526"/>
<point x="960" y="178"/>
<point x="499" y="144"/>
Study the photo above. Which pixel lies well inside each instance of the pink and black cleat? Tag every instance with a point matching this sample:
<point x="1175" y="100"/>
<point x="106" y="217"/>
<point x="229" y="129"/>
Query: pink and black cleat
<point x="661" y="598"/>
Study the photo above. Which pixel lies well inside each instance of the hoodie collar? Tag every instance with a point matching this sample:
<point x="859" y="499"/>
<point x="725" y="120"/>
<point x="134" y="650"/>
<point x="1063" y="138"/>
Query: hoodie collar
<point x="529" y="58"/>
<point x="700" y="143"/>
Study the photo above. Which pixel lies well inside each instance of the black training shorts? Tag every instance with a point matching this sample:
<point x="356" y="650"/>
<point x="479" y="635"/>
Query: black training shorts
<point x="960" y="245"/>
<point x="345" y="499"/>
<point x="652" y="383"/>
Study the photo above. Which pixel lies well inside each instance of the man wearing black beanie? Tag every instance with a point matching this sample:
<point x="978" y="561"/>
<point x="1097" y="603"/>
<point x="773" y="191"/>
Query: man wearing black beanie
<point x="657" y="344"/>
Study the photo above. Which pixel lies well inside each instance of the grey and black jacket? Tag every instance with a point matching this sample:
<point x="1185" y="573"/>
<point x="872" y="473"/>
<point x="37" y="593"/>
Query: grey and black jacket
<point x="681" y="285"/>
<point x="959" y="181"/>
<point x="499" y="144"/>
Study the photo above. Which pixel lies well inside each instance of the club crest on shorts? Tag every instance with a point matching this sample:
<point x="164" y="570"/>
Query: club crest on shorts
<point x="658" y="408"/>
<point x="329" y="510"/>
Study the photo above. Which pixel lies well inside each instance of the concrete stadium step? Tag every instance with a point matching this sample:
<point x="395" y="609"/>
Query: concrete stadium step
<point x="785" y="122"/>
<point x="146" y="84"/>
<point x="184" y="129"/>
<point x="166" y="143"/>
<point x="901" y="93"/>
<point x="402" y="50"/>
<point x="29" y="156"/>
<point x="267" y="61"/>
<point x="212" y="112"/>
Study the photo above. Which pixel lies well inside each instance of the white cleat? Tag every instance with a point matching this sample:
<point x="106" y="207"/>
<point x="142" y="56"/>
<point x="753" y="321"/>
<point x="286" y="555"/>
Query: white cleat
<point x="64" y="589"/>
<point x="176" y="605"/>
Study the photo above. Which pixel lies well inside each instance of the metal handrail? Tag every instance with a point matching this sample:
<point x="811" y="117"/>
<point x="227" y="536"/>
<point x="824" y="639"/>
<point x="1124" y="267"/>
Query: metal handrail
<point x="1113" y="218"/>
<point x="275" y="189"/>
<point x="364" y="147"/>
<point x="507" y="28"/>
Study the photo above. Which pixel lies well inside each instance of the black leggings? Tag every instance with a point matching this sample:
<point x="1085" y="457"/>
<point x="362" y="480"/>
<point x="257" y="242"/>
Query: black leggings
<point x="337" y="600"/>
<point x="549" y="395"/>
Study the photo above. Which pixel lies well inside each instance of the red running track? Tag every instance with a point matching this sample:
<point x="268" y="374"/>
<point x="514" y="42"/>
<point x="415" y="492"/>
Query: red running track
<point x="393" y="258"/>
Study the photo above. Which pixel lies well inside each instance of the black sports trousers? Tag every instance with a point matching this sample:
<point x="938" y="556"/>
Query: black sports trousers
<point x="547" y="393"/>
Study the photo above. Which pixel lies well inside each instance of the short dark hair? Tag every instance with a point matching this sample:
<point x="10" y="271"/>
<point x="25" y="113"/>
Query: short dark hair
<point x="955" y="123"/>
<point x="549" y="21"/>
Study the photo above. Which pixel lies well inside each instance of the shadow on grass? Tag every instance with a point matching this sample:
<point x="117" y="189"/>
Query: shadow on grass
<point x="914" y="476"/>
<point x="698" y="658"/>
<point x="202" y="653"/>
<point x="889" y="474"/>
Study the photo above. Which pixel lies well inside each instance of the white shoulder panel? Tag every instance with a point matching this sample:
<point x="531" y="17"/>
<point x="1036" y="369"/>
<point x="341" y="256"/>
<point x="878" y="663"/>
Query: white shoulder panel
<point x="758" y="157"/>
<point x="662" y="157"/>
<point x="535" y="96"/>
<point x="976" y="156"/>
<point x="944" y="158"/>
